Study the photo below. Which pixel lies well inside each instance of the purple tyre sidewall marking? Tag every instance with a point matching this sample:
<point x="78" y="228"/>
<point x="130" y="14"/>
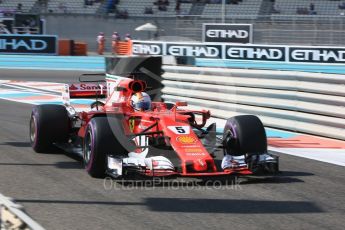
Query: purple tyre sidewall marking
<point x="92" y="129"/>
<point x="34" y="117"/>
<point x="232" y="127"/>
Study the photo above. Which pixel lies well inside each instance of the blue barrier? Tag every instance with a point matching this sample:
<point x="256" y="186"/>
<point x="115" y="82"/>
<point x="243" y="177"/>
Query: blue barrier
<point x="52" y="62"/>
<point x="313" y="68"/>
<point x="94" y="63"/>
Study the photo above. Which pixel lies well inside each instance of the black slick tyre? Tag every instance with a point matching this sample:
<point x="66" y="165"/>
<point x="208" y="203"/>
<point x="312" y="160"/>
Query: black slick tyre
<point x="244" y="134"/>
<point x="101" y="140"/>
<point x="48" y="124"/>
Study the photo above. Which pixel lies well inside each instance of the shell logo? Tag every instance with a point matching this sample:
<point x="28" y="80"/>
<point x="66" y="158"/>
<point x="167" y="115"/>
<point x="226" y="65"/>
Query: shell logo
<point x="186" y="139"/>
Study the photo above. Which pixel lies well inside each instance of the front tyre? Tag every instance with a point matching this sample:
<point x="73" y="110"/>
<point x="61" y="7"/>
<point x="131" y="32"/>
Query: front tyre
<point x="99" y="142"/>
<point x="244" y="134"/>
<point x="48" y="124"/>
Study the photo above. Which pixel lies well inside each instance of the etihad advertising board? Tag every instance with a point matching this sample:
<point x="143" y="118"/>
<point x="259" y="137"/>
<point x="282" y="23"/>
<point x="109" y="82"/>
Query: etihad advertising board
<point x="255" y="53"/>
<point x="227" y="33"/>
<point x="28" y="44"/>
<point x="194" y="50"/>
<point x="198" y="50"/>
<point x="147" y="48"/>
<point x="317" y="54"/>
<point x="223" y="51"/>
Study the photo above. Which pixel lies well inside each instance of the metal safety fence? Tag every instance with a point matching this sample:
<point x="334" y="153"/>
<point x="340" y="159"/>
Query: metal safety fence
<point x="279" y="29"/>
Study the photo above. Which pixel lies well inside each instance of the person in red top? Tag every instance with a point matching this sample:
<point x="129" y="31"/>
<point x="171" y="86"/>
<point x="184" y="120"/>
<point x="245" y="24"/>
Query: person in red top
<point x="100" y="42"/>
<point x="114" y="39"/>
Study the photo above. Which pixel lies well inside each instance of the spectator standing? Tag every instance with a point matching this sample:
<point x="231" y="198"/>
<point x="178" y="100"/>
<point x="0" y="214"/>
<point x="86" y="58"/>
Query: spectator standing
<point x="122" y="14"/>
<point x="312" y="10"/>
<point x="63" y="7"/>
<point x="2" y="28"/>
<point x="115" y="38"/>
<point x="19" y="7"/>
<point x="43" y="2"/>
<point x="178" y="6"/>
<point x="100" y="43"/>
<point x="148" y="10"/>
<point x="128" y="37"/>
<point x="341" y="6"/>
<point x="88" y="3"/>
<point x="275" y="9"/>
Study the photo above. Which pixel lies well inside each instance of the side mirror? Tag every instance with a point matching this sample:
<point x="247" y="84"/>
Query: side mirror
<point x="181" y="103"/>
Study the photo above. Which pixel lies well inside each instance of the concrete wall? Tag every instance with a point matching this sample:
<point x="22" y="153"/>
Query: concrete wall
<point x="297" y="101"/>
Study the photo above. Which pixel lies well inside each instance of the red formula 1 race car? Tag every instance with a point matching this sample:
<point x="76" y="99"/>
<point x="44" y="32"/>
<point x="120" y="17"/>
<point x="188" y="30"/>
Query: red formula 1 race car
<point x="127" y="134"/>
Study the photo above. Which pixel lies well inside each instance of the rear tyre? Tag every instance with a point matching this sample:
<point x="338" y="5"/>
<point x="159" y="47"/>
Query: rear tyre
<point x="244" y="135"/>
<point x="99" y="142"/>
<point x="48" y="124"/>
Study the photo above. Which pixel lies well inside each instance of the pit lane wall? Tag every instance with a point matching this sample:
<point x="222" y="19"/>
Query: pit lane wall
<point x="311" y="103"/>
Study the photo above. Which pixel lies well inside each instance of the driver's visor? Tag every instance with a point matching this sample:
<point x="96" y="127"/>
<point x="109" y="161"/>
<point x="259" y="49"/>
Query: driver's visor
<point x="142" y="105"/>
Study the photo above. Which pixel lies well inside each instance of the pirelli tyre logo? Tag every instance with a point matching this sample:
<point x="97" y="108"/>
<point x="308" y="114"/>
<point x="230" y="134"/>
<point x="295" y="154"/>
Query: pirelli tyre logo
<point x="228" y="33"/>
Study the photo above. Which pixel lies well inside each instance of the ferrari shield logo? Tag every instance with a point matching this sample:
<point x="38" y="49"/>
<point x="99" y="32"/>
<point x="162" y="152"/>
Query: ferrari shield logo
<point x="131" y="124"/>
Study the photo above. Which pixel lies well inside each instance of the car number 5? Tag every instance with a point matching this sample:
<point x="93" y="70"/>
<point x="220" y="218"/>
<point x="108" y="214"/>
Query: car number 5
<point x="180" y="129"/>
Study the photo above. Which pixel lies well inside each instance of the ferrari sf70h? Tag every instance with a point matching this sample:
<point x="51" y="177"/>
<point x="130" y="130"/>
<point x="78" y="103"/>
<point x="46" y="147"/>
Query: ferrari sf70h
<point x="115" y="138"/>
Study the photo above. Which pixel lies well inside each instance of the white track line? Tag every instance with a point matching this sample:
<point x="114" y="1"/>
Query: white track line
<point x="332" y="156"/>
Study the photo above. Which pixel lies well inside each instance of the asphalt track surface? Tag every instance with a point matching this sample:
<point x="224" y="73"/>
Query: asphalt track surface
<point x="59" y="194"/>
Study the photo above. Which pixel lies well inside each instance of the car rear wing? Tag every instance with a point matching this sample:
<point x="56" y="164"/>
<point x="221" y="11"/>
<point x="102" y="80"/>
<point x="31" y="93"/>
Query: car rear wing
<point x="84" y="90"/>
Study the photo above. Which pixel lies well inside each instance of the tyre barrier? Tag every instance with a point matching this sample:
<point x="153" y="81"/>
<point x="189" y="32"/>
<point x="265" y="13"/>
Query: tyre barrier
<point x="12" y="216"/>
<point x="311" y="103"/>
<point x="69" y="47"/>
<point x="124" y="48"/>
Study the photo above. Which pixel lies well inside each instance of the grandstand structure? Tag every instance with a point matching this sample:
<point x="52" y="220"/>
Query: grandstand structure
<point x="245" y="9"/>
<point x="72" y="6"/>
<point x="26" y="5"/>
<point x="275" y="22"/>
<point x="137" y="8"/>
<point x="51" y="6"/>
<point x="322" y="7"/>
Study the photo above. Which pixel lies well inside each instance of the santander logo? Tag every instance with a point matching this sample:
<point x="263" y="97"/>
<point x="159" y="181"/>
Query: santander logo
<point x="73" y="87"/>
<point x="86" y="87"/>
